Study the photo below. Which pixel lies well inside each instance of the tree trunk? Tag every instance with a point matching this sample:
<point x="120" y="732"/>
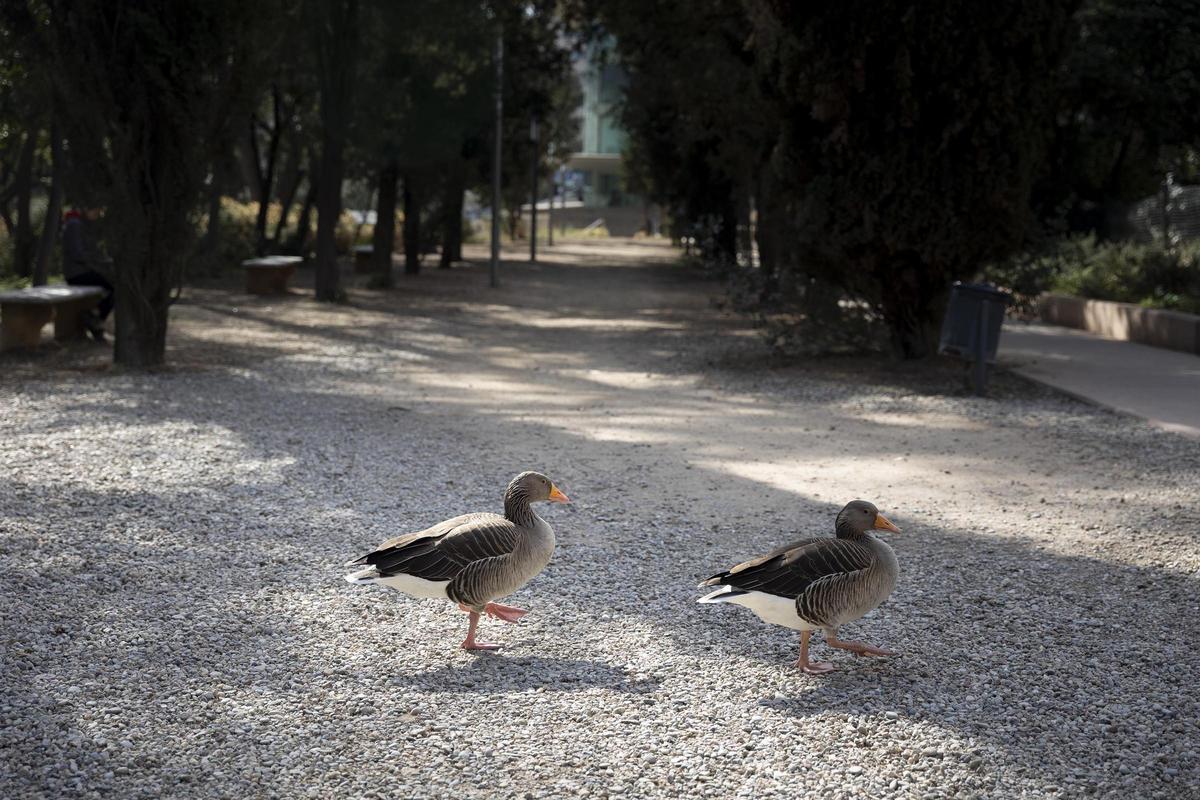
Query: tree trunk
<point x="329" y="208"/>
<point x="212" y="232"/>
<point x="766" y="235"/>
<point x="289" y="186"/>
<point x="384" y="241"/>
<point x="452" y="210"/>
<point x="141" y="337"/>
<point x="727" y="235"/>
<point x="24" y="241"/>
<point x="304" y="222"/>
<point x="912" y="306"/>
<point x="266" y="174"/>
<point x="41" y="267"/>
<point x="246" y="152"/>
<point x="337" y="51"/>
<point x="744" y="243"/>
<point x="412" y="227"/>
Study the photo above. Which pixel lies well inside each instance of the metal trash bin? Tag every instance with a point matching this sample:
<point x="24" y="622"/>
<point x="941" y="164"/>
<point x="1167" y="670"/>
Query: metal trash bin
<point x="971" y="327"/>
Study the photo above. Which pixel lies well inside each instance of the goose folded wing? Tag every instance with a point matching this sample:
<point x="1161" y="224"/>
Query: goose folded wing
<point x="788" y="571"/>
<point x="440" y="552"/>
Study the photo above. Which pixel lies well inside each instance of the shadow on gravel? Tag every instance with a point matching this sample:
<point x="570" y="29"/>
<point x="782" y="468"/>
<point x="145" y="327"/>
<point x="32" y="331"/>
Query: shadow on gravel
<point x="1006" y="641"/>
<point x="495" y="673"/>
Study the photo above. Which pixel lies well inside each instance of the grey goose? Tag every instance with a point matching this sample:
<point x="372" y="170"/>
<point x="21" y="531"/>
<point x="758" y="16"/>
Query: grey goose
<point x="821" y="583"/>
<point x="473" y="559"/>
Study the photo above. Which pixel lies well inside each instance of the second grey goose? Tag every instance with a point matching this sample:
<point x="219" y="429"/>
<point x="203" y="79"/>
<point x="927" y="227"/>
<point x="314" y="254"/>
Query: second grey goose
<point x="820" y="583"/>
<point x="473" y="559"/>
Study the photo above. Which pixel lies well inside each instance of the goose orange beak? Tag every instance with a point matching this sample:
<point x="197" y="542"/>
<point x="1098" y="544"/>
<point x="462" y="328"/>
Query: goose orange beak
<point x="556" y="495"/>
<point x="881" y="522"/>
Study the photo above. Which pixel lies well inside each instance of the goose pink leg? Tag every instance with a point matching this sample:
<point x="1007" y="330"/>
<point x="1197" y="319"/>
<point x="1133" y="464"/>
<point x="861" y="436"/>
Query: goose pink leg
<point x="810" y="667"/>
<point x="470" y="643"/>
<point x="858" y="648"/>
<point x="506" y="613"/>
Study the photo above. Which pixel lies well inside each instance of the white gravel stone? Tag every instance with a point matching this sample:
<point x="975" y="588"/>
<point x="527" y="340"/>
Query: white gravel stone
<point x="175" y="624"/>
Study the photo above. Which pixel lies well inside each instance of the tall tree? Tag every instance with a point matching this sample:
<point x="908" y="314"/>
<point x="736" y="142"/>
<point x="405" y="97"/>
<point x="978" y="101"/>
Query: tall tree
<point x="700" y="133"/>
<point x="1129" y="107"/>
<point x="912" y="133"/>
<point x="335" y="27"/>
<point x="145" y="87"/>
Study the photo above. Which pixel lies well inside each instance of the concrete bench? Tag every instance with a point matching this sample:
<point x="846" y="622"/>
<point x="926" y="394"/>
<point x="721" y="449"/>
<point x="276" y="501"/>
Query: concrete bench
<point x="270" y="274"/>
<point x="364" y="256"/>
<point x="23" y="313"/>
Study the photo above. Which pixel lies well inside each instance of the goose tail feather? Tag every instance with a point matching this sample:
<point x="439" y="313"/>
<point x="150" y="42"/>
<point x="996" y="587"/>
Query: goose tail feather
<point x="368" y="575"/>
<point x="721" y="595"/>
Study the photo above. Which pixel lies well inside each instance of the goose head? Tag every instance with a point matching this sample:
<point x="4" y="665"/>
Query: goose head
<point x="535" y="487"/>
<point x="859" y="517"/>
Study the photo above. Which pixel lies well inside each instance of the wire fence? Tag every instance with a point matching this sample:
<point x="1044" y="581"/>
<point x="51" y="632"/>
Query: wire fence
<point x="1172" y="215"/>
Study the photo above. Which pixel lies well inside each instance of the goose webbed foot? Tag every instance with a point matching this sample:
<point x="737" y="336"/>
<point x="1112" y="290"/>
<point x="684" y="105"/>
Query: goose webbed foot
<point x="810" y="667"/>
<point x="471" y="643"/>
<point x="815" y="667"/>
<point x="506" y="613"/>
<point x="858" y="648"/>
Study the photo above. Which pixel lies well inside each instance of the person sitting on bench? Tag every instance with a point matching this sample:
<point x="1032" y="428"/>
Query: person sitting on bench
<point x="81" y="264"/>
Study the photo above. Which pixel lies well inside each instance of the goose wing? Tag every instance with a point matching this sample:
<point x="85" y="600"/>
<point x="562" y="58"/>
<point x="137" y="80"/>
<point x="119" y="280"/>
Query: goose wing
<point x="789" y="570"/>
<point x="440" y="552"/>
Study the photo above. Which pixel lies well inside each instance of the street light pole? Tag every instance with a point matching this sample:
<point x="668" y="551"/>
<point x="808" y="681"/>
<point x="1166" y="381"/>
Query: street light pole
<point x="533" y="137"/>
<point x="493" y="277"/>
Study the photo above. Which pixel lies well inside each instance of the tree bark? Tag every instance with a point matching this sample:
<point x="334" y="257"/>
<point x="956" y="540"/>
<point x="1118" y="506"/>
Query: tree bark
<point x="212" y="232"/>
<point x="766" y="234"/>
<point x="744" y="243"/>
<point x="912" y="306"/>
<point x="412" y="226"/>
<point x="452" y="210"/>
<point x="289" y="186"/>
<point x="266" y="174"/>
<point x="727" y="236"/>
<point x="24" y="241"/>
<point x="41" y="267"/>
<point x="304" y="223"/>
<point x="337" y="51"/>
<point x="384" y="241"/>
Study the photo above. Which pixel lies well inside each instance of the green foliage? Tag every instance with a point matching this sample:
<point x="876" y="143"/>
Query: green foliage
<point x="700" y="129"/>
<point x="239" y="235"/>
<point x="1128" y="109"/>
<point x="1150" y="275"/>
<point x="1127" y="272"/>
<point x="908" y="156"/>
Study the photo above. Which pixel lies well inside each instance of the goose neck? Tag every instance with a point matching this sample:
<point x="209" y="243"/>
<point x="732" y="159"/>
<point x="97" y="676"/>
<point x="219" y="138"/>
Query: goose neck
<point x="517" y="509"/>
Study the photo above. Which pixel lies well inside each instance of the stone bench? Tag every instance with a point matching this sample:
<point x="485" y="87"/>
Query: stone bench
<point x="23" y="313"/>
<point x="364" y="256"/>
<point x="270" y="274"/>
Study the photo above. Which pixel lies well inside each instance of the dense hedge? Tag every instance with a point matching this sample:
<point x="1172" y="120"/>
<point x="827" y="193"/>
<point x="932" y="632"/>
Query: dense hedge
<point x="1151" y="275"/>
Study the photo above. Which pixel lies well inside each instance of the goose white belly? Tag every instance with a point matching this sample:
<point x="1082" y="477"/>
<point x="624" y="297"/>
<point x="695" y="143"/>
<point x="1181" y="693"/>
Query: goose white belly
<point x="406" y="584"/>
<point x="770" y="608"/>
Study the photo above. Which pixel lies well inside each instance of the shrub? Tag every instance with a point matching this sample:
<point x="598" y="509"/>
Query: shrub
<point x="237" y="239"/>
<point x="1127" y="272"/>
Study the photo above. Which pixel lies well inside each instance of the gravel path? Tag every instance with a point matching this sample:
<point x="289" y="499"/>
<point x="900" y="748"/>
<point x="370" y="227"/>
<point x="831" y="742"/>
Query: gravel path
<point x="174" y="623"/>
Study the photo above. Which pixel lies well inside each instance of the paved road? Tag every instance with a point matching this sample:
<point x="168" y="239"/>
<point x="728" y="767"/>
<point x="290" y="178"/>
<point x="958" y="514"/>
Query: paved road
<point x="1161" y="386"/>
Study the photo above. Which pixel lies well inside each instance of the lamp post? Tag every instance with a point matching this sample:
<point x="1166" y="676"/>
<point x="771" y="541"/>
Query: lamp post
<point x="493" y="277"/>
<point x="533" y="137"/>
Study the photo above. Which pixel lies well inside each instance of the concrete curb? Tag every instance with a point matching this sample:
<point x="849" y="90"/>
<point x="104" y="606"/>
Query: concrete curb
<point x="1126" y="322"/>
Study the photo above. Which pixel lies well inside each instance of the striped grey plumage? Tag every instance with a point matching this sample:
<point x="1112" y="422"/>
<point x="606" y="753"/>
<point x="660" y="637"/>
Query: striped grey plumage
<point x="483" y="556"/>
<point x="848" y="594"/>
<point x="832" y="580"/>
